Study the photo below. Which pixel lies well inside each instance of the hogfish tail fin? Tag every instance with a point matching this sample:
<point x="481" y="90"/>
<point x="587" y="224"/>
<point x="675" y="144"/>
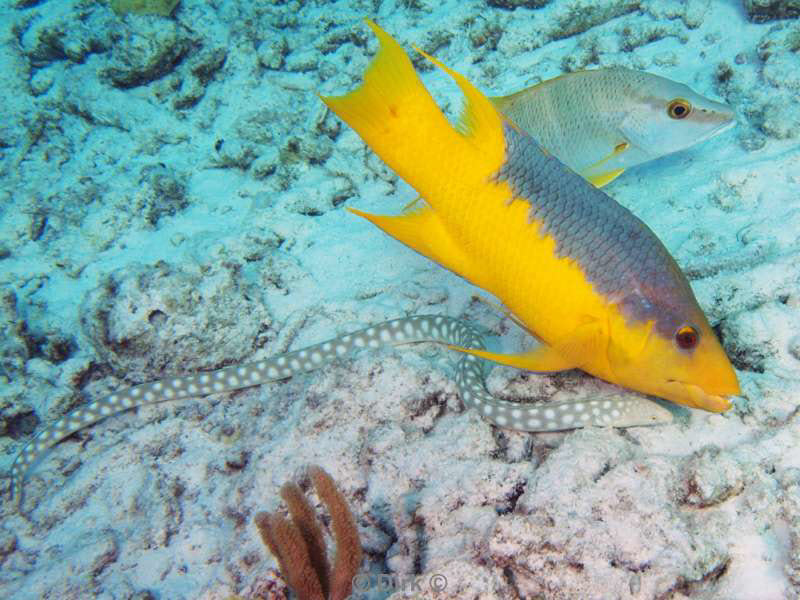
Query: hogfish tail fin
<point x="396" y="116"/>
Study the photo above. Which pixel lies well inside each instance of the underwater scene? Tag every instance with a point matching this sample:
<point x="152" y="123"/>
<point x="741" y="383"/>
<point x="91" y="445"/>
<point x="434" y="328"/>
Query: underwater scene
<point x="400" y="299"/>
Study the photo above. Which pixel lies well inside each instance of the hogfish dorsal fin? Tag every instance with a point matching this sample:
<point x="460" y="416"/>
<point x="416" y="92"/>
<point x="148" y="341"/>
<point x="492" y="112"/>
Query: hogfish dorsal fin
<point x="620" y="412"/>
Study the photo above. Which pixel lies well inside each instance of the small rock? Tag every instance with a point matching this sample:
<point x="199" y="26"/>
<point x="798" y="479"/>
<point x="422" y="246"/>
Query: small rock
<point x="144" y="55"/>
<point x="163" y="8"/>
<point x="761" y="11"/>
<point x="272" y="53"/>
<point x="153" y="319"/>
<point x="512" y="4"/>
<point x="266" y="164"/>
<point x="713" y="478"/>
<point x="794" y="347"/>
<point x="302" y="61"/>
<point x="8" y="542"/>
<point x="163" y="193"/>
<point x="41" y="82"/>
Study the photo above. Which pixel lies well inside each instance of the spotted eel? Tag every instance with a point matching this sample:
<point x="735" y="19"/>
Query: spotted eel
<point x="620" y="411"/>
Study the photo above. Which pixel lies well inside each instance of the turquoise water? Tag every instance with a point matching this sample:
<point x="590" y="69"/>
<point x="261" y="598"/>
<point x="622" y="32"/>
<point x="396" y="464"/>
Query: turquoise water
<point x="174" y="201"/>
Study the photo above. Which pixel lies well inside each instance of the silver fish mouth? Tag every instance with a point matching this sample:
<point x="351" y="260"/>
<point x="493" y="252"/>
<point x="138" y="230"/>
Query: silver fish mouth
<point x="724" y="126"/>
<point x="722" y="114"/>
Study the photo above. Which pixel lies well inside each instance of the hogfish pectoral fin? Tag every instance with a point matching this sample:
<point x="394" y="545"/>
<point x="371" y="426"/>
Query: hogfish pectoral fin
<point x="542" y="359"/>
<point x="568" y="353"/>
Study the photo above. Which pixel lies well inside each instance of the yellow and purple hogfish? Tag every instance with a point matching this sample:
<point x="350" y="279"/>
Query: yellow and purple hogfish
<point x="602" y="121"/>
<point x="590" y="280"/>
<point x="578" y="270"/>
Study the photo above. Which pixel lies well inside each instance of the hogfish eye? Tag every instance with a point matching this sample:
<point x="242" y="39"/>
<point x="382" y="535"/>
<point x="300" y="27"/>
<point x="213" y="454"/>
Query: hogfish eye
<point x="679" y="108"/>
<point x="686" y="337"/>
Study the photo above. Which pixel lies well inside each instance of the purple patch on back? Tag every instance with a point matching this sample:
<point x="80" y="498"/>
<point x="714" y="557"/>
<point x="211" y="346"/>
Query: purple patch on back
<point x="620" y="256"/>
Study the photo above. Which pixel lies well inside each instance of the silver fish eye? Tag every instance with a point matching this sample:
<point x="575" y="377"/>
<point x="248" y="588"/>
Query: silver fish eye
<point x="679" y="108"/>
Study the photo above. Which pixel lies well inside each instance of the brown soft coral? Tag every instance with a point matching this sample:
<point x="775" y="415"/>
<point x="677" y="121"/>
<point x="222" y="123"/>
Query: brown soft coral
<point x="299" y="545"/>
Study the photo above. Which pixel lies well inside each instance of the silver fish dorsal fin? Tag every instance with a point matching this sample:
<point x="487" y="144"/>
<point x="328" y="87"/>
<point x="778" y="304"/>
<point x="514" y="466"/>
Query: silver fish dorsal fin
<point x="617" y="412"/>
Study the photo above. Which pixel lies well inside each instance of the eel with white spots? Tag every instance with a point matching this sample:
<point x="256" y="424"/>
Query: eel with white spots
<point x="620" y="411"/>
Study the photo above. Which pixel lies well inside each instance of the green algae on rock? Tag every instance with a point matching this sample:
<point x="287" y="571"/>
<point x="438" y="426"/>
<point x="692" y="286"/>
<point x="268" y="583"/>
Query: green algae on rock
<point x="163" y="8"/>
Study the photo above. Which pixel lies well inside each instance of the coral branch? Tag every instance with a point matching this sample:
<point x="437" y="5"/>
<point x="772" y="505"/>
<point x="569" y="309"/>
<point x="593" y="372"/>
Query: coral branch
<point x="306" y="520"/>
<point x="345" y="534"/>
<point x="299" y="546"/>
<point x="284" y="539"/>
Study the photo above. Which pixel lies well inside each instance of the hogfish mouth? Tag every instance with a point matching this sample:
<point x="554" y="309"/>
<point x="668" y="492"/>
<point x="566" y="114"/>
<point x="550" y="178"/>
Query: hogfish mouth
<point x="693" y="395"/>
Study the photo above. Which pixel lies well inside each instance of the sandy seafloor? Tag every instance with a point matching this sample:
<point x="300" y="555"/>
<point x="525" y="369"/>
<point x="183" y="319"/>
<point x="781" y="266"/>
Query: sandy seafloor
<point x="174" y="199"/>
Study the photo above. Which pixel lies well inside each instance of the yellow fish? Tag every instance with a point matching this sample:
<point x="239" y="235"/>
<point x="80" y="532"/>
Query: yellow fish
<point x="601" y="122"/>
<point x="590" y="280"/>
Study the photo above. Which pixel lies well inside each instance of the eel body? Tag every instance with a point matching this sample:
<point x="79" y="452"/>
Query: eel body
<point x="619" y="411"/>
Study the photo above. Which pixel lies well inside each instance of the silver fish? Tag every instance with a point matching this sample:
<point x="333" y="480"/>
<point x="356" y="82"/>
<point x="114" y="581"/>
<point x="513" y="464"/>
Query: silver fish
<point x="603" y="121"/>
